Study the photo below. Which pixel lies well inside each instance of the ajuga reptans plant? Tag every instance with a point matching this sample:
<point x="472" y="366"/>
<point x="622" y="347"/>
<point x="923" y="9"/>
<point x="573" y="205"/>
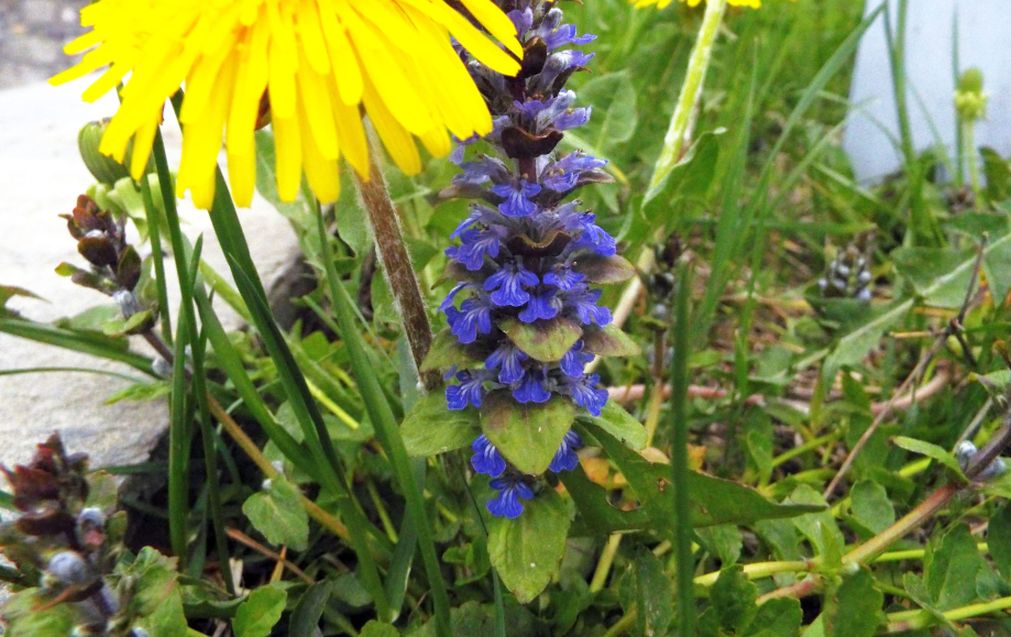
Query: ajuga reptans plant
<point x="527" y="259"/>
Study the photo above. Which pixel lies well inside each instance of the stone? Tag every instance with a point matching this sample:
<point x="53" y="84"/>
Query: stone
<point x="43" y="175"/>
<point x="983" y="26"/>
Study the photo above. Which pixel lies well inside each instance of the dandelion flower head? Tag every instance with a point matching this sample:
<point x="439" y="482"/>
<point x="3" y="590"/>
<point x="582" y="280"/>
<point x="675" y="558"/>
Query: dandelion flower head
<point x="320" y="64"/>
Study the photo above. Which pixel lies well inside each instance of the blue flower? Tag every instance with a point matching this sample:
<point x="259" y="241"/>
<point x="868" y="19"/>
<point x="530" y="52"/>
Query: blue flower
<point x="563" y="277"/>
<point x="469" y="391"/>
<point x="474" y="247"/>
<point x="511" y="490"/>
<point x="507" y="286"/>
<point x="586" y="393"/>
<point x="473" y="318"/>
<point x="532" y="388"/>
<point x="542" y="306"/>
<point x="583" y="302"/>
<point x="486" y="458"/>
<point x="574" y="360"/>
<point x="565" y="458"/>
<point x="516" y="198"/>
<point x="508" y="359"/>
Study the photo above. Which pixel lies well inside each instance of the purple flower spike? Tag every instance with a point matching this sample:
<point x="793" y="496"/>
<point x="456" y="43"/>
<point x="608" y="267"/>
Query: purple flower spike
<point x="532" y="388"/>
<point x="507" y="286"/>
<point x="469" y="392"/>
<point x="586" y="393"/>
<point x="511" y="490"/>
<point x="543" y="306"/>
<point x="516" y="197"/>
<point x="486" y="458"/>
<point x="508" y="359"/>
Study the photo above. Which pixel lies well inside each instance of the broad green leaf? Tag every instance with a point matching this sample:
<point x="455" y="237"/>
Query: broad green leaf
<point x="619" y="423"/>
<point x="998" y="537"/>
<point x="871" y="507"/>
<point x="604" y="270"/>
<point x="610" y="341"/>
<point x="951" y="567"/>
<point x="854" y="608"/>
<point x="854" y="346"/>
<point x="819" y="527"/>
<point x="21" y="616"/>
<point x="277" y="513"/>
<point x="544" y="341"/>
<point x="445" y="352"/>
<point x="155" y="577"/>
<point x="527" y="551"/>
<point x="722" y="540"/>
<point x="257" y="615"/>
<point x="930" y="450"/>
<point x="646" y="588"/>
<point x="927" y="269"/>
<point x="597" y="516"/>
<point x="733" y="598"/>
<point x="305" y="618"/>
<point x="614" y="109"/>
<point x="527" y="435"/>
<point x="378" y="629"/>
<point x="713" y="500"/>
<point x="431" y="427"/>
<point x="775" y="618"/>
<point x="998" y="174"/>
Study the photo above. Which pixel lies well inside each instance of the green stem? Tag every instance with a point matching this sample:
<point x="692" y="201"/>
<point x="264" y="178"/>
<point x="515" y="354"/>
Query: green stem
<point x="907" y="620"/>
<point x="605" y="562"/>
<point x="682" y="539"/>
<point x="691" y="89"/>
<point x="157" y="256"/>
<point x="971" y="158"/>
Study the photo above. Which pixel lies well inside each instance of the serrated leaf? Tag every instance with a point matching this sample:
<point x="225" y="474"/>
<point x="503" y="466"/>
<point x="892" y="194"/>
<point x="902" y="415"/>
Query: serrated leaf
<point x="819" y="527"/>
<point x="256" y="616"/>
<point x="951" y="567"/>
<point x="431" y="427"/>
<point x="445" y="352"/>
<point x="713" y="500"/>
<point x="854" y="610"/>
<point x="722" y="540"/>
<point x="527" y="435"/>
<point x="604" y="270"/>
<point x="544" y="341"/>
<point x="733" y="597"/>
<point x="526" y="552"/>
<point x="610" y="341"/>
<point x="277" y="514"/>
<point x="871" y="507"/>
<point x="775" y="618"/>
<point x="646" y="588"/>
<point x="930" y="450"/>
<point x="619" y="423"/>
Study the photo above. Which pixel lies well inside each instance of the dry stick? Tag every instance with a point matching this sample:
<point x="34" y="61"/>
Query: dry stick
<point x="912" y="520"/>
<point x="235" y="431"/>
<point x="397" y="263"/>
<point x="954" y="327"/>
<point x="242" y="538"/>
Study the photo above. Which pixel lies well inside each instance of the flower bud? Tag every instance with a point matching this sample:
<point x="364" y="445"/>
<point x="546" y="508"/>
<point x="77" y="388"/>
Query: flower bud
<point x="970" y="100"/>
<point x="102" y="167"/>
<point x="68" y="568"/>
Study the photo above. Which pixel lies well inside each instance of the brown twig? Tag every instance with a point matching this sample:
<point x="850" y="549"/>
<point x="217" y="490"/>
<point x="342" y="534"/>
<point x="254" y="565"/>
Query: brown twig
<point x="242" y="538"/>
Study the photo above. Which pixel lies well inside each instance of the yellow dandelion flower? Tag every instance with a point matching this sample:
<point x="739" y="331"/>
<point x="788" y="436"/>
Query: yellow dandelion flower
<point x="320" y="63"/>
<point x="754" y="4"/>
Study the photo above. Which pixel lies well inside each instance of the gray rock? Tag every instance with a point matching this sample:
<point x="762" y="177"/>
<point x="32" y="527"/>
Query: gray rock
<point x="42" y="177"/>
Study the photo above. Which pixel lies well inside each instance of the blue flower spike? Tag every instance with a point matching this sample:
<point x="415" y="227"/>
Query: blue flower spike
<point x="521" y="255"/>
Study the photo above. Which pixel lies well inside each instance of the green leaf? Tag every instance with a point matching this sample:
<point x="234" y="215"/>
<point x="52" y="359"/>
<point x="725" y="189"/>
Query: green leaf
<point x="431" y="427"/>
<point x="610" y="341"/>
<point x="775" y="618"/>
<point x="733" y="598"/>
<point x="997" y="266"/>
<point x="619" y="423"/>
<point x="818" y="527"/>
<point x="927" y="269"/>
<point x="378" y="629"/>
<point x="854" y="346"/>
<point x="21" y="616"/>
<point x="544" y="341"/>
<point x="604" y="270"/>
<point x="257" y="615"/>
<point x="871" y="507"/>
<point x="930" y="450"/>
<point x="305" y="618"/>
<point x="998" y="537"/>
<point x="7" y="292"/>
<point x="646" y="588"/>
<point x="614" y="109"/>
<point x="526" y="552"/>
<point x="527" y="435"/>
<point x="854" y="609"/>
<point x="445" y="352"/>
<point x="277" y="513"/>
<point x="951" y="567"/>
<point x="998" y="174"/>
<point x="722" y="540"/>
<point x="596" y="514"/>
<point x="713" y="500"/>
<point x="691" y="176"/>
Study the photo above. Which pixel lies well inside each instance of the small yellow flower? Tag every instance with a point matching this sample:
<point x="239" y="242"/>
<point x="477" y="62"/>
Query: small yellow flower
<point x="754" y="4"/>
<point x="321" y="63"/>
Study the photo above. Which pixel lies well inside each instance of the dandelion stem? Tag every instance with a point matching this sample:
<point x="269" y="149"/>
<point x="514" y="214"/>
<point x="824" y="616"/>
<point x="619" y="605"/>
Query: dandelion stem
<point x="392" y="252"/>
<point x="691" y="89"/>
